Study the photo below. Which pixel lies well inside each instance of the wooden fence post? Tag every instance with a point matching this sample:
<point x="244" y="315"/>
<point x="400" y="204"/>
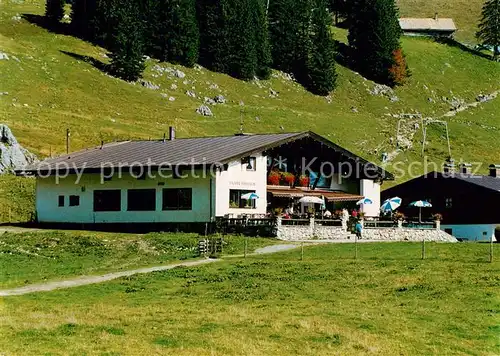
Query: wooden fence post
<point x="491" y="249"/>
<point x="356" y="246"/>
<point x="302" y="250"/>
<point x="423" y="248"/>
<point x="246" y="245"/>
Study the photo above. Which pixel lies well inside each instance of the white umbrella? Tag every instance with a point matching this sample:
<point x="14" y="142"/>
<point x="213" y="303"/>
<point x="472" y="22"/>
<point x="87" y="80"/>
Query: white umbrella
<point x="311" y="200"/>
<point x="250" y="196"/>
<point x="421" y="204"/>
<point x="364" y="201"/>
<point x="327" y="213"/>
<point x="391" y="204"/>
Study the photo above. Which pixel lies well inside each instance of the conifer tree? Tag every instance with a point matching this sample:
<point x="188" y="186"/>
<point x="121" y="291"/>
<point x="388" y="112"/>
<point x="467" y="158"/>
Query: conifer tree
<point x="214" y="35"/>
<point x="241" y="25"/>
<point x="282" y="30"/>
<point x="54" y="10"/>
<point x="82" y="15"/>
<point x="263" y="49"/>
<point x="289" y="35"/>
<point x="489" y="27"/>
<point x="321" y="75"/>
<point x="127" y="41"/>
<point x="374" y="37"/>
<point x="176" y="37"/>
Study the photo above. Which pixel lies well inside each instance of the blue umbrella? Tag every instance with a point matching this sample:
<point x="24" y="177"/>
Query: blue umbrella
<point x="391" y="204"/>
<point x="250" y="196"/>
<point x="420" y="204"/>
<point x="364" y="201"/>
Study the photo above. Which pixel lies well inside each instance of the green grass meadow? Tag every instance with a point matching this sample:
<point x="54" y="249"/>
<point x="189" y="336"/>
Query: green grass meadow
<point x="53" y="85"/>
<point x="41" y="256"/>
<point x="387" y="302"/>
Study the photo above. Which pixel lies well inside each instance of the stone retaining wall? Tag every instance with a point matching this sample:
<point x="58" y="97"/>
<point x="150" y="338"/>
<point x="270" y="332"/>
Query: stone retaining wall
<point x="319" y="232"/>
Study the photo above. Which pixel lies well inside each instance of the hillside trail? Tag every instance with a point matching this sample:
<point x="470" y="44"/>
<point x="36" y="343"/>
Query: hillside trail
<point x="86" y="280"/>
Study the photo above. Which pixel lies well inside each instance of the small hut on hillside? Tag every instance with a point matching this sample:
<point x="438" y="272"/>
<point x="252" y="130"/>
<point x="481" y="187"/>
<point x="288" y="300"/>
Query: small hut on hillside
<point x="433" y="27"/>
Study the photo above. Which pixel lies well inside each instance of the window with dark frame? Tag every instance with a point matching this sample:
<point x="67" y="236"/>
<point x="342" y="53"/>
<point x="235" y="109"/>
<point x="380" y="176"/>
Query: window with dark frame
<point x="236" y="202"/>
<point x="141" y="200"/>
<point x="177" y="199"/>
<point x="108" y="200"/>
<point x="74" y="200"/>
<point x="249" y="163"/>
<point x="60" y="201"/>
<point x="448" y="203"/>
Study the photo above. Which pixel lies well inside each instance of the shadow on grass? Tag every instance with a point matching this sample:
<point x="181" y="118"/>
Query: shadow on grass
<point x="87" y="59"/>
<point x="454" y="43"/>
<point x="41" y="21"/>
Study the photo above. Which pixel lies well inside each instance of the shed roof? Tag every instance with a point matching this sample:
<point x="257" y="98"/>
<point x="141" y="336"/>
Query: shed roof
<point x="180" y="151"/>
<point x="427" y="24"/>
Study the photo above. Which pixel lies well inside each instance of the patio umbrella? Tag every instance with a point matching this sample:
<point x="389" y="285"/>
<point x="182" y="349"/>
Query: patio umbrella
<point x="311" y="200"/>
<point x="364" y="201"/>
<point x="420" y="204"/>
<point x="391" y="204"/>
<point x="250" y="196"/>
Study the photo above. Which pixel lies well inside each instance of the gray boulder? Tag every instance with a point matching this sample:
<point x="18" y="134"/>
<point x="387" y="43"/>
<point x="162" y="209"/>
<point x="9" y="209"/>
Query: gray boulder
<point x="204" y="110"/>
<point x="4" y="56"/>
<point x="179" y="74"/>
<point x="220" y="99"/>
<point x="209" y="101"/>
<point x="149" y="85"/>
<point x="12" y="155"/>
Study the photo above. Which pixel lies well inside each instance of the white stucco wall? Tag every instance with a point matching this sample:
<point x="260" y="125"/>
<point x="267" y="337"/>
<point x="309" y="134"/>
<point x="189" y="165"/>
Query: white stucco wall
<point x="238" y="177"/>
<point x="47" y="193"/>
<point x="480" y="232"/>
<point x="371" y="190"/>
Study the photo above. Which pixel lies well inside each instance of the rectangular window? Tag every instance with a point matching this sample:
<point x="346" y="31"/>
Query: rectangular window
<point x="141" y="200"/>
<point x="236" y="200"/>
<point x="60" y="201"/>
<point x="249" y="163"/>
<point x="107" y="200"/>
<point x="448" y="202"/>
<point x="74" y="200"/>
<point x="177" y="199"/>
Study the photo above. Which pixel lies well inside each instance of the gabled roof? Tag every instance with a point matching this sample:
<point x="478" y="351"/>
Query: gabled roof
<point x="427" y="24"/>
<point x="487" y="182"/>
<point x="180" y="151"/>
<point x="483" y="181"/>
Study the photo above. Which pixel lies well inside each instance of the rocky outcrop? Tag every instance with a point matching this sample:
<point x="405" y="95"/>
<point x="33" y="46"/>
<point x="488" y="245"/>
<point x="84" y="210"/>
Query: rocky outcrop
<point x="12" y="155"/>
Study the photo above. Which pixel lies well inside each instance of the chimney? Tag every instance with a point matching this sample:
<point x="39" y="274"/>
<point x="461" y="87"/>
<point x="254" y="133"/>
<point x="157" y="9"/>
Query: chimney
<point x="466" y="168"/>
<point x="171" y="133"/>
<point x="495" y="170"/>
<point x="436" y="16"/>
<point x="449" y="166"/>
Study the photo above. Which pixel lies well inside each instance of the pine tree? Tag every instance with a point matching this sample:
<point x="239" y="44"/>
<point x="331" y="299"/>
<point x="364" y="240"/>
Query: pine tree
<point x="374" y="37"/>
<point x="82" y="15"/>
<point x="263" y="48"/>
<point x="288" y="30"/>
<point x="242" y="58"/>
<point x="489" y="26"/>
<point x="282" y="27"/>
<point x="54" y="10"/>
<point x="177" y="37"/>
<point x="214" y="35"/>
<point x="126" y="44"/>
<point x="321" y="59"/>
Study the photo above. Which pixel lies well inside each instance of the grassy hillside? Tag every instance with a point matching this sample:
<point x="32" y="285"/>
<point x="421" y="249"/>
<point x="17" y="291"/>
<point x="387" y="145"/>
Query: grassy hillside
<point x="388" y="302"/>
<point x="53" y="83"/>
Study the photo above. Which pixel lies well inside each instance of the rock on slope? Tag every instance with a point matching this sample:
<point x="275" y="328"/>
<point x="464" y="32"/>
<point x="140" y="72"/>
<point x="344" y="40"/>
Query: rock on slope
<point x="12" y="155"/>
